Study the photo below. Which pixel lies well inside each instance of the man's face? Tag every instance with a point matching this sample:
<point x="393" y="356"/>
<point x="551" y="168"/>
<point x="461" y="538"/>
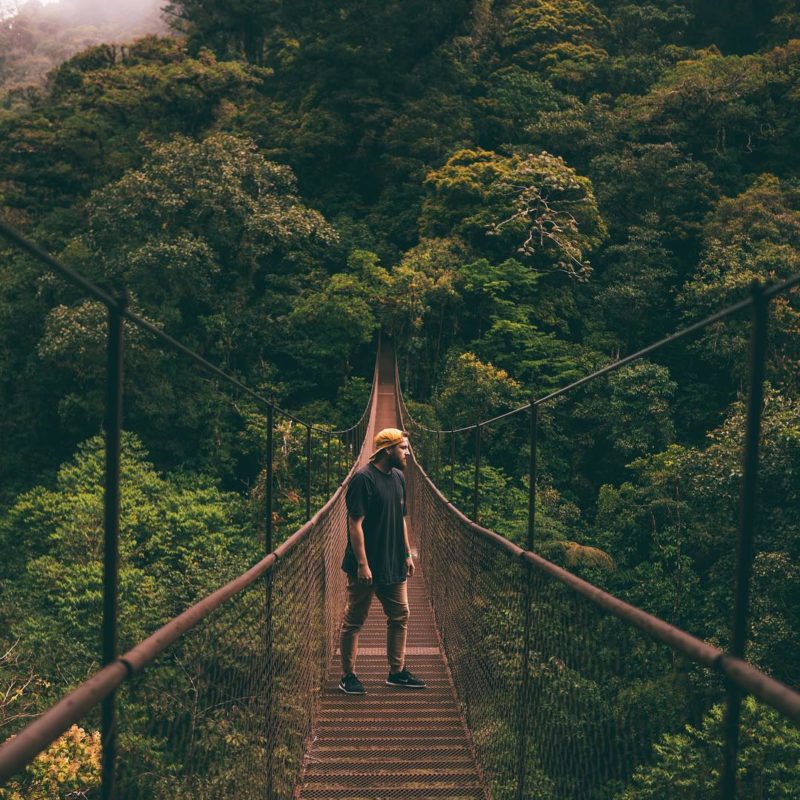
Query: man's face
<point x="398" y="455"/>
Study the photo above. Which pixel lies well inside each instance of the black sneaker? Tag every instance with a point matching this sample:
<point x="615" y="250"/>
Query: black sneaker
<point x="406" y="679"/>
<point x="349" y="684"/>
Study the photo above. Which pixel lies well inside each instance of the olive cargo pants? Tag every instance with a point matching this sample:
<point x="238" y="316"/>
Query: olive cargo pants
<point x="394" y="599"/>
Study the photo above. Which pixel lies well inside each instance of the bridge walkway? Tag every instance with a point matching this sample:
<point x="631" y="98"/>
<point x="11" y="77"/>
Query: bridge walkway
<point x="392" y="742"/>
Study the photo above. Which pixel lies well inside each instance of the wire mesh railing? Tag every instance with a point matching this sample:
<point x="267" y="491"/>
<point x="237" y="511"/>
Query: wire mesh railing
<point x="232" y="682"/>
<point x="569" y="691"/>
<point x="219" y="702"/>
<point x="228" y="707"/>
<point x="556" y="676"/>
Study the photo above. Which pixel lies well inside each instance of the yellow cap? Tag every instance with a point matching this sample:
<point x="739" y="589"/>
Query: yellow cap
<point x="388" y="437"/>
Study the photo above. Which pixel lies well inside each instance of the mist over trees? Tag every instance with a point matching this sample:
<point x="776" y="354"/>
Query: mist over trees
<point x="35" y="37"/>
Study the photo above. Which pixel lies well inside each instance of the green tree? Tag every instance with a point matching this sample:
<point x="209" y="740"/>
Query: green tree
<point x="689" y="762"/>
<point x="633" y="304"/>
<point x="752" y="236"/>
<point x="728" y="111"/>
<point x="85" y="128"/>
<point x="179" y="540"/>
<point x="562" y="39"/>
<point x="657" y="183"/>
<point x="212" y="241"/>
<point x="327" y="325"/>
<point x="514" y="97"/>
<point x="232" y="28"/>
<point x="470" y="388"/>
<point x="673" y="526"/>
<point x="421" y="304"/>
<point x="535" y="205"/>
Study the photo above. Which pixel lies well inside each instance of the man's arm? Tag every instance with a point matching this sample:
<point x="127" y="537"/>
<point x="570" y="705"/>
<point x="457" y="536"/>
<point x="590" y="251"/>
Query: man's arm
<point x="409" y="560"/>
<point x="354" y="525"/>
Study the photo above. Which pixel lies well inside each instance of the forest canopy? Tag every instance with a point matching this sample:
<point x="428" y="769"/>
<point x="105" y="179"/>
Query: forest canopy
<point x="517" y="191"/>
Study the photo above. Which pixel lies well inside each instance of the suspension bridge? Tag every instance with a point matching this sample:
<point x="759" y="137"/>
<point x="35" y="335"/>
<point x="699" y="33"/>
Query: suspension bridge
<point x="526" y="663"/>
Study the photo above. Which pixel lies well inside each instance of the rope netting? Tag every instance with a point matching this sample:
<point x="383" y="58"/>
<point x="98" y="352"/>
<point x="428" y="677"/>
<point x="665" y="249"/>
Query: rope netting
<point x="563" y="698"/>
<point x="225" y="711"/>
<point x="600" y="693"/>
<point x="222" y="695"/>
<point x="135" y="535"/>
<point x="577" y="689"/>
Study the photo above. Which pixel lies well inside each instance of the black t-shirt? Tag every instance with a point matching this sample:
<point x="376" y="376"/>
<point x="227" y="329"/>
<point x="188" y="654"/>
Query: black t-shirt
<point x="381" y="499"/>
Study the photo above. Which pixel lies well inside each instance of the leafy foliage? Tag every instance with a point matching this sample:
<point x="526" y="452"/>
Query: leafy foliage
<point x="517" y="193"/>
<point x="69" y="767"/>
<point x="534" y="205"/>
<point x="684" y="760"/>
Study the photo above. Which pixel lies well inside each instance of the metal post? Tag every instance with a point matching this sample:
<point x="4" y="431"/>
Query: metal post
<point x="438" y="455"/>
<point x="452" y="464"/>
<point x="328" y="467"/>
<point x="533" y="472"/>
<point x="269" y="477"/>
<point x="477" y="487"/>
<point x="269" y="713"/>
<point x="308" y="472"/>
<point x="524" y="702"/>
<point x="114" y="388"/>
<point x="744" y="539"/>
<point x="268" y="650"/>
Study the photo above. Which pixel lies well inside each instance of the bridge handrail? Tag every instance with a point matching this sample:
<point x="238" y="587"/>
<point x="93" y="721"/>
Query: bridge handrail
<point x="776" y="694"/>
<point x="119" y="305"/>
<point x="767" y="293"/>
<point x="22" y="748"/>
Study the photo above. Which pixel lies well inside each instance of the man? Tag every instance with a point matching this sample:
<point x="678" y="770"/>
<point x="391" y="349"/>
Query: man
<point x="378" y="558"/>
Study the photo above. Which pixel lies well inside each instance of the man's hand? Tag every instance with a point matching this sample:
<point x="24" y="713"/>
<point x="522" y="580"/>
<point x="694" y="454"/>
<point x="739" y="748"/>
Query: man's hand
<point x="364" y="573"/>
<point x="410" y="566"/>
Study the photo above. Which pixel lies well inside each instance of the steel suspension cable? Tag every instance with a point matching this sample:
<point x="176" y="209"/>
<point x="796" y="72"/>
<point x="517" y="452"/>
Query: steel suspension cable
<point x="769" y="291"/>
<point x="267" y="701"/>
<point x="74" y="277"/>
<point x="585" y="649"/>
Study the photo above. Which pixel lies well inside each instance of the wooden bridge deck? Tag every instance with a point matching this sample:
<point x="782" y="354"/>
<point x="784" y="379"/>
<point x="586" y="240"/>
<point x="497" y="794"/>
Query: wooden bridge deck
<point x="392" y="742"/>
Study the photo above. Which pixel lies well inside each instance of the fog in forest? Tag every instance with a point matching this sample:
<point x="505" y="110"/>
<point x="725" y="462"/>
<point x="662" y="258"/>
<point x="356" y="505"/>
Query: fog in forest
<point x="141" y="14"/>
<point x="35" y="37"/>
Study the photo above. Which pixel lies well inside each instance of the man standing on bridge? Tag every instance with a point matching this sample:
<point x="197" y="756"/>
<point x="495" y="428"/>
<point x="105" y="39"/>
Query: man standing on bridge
<point x="378" y="558"/>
